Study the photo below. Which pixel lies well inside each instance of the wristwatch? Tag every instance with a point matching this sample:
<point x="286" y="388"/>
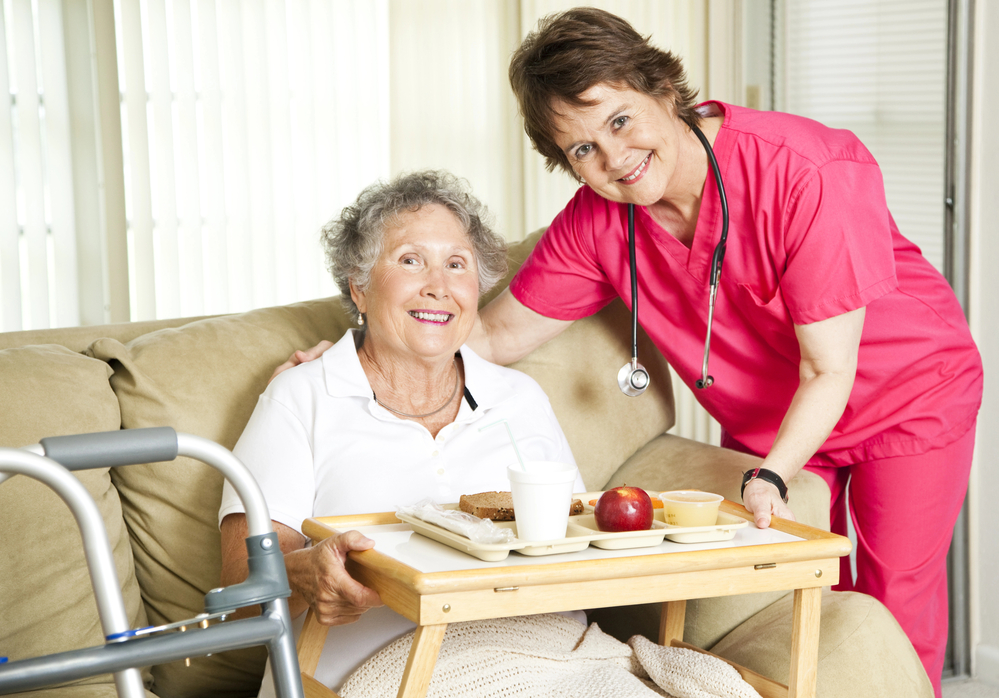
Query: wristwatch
<point x="767" y="476"/>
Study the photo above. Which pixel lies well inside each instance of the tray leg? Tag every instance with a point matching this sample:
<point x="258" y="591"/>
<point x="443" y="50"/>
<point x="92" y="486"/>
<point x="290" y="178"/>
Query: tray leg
<point x="671" y="620"/>
<point x="805" y="642"/>
<point x="422" y="658"/>
<point x="310" y="644"/>
<point x="314" y="689"/>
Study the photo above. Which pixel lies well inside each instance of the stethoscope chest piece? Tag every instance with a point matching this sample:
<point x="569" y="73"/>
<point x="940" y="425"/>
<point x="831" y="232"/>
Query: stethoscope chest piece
<point x="633" y="379"/>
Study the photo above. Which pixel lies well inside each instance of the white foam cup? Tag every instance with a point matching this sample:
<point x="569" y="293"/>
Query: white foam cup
<point x="541" y="498"/>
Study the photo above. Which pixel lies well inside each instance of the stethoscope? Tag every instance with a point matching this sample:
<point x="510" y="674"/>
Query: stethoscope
<point x="633" y="379"/>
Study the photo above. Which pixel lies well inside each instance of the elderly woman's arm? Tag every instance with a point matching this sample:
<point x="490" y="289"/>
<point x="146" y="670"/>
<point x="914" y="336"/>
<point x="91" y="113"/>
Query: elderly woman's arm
<point x="317" y="575"/>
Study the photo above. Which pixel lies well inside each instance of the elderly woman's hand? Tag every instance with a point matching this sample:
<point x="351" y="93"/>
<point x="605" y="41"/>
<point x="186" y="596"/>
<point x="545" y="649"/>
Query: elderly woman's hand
<point x="319" y="575"/>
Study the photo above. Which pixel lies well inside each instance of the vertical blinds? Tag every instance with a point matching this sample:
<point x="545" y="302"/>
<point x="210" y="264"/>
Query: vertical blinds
<point x="246" y="125"/>
<point x="878" y="68"/>
<point x="36" y="202"/>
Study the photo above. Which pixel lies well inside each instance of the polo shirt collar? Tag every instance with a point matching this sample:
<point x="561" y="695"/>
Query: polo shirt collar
<point x="344" y="376"/>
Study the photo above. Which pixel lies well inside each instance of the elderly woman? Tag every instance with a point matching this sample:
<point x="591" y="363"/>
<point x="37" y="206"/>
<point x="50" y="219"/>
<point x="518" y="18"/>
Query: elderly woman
<point x="391" y="413"/>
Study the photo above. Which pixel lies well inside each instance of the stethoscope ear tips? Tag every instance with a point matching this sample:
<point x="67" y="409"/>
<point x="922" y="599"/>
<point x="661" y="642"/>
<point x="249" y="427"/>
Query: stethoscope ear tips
<point x="705" y="383"/>
<point x="633" y="379"/>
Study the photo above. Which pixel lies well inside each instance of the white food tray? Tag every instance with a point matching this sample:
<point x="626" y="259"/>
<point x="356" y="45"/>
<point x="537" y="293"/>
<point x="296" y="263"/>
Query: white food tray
<point x="723" y="529"/>
<point x="582" y="532"/>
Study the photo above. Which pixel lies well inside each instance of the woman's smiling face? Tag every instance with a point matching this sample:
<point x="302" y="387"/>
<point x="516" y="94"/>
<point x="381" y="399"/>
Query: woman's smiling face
<point x="625" y="145"/>
<point x="423" y="293"/>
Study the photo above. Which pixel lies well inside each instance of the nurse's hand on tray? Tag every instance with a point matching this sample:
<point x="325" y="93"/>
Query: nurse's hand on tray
<point x="319" y="575"/>
<point x="301" y="357"/>
<point x="764" y="502"/>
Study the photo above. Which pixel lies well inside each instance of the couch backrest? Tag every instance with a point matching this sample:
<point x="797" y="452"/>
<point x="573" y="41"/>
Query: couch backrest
<point x="46" y="599"/>
<point x="204" y="378"/>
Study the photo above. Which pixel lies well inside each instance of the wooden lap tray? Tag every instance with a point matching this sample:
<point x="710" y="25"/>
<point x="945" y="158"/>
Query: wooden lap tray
<point x="433" y="585"/>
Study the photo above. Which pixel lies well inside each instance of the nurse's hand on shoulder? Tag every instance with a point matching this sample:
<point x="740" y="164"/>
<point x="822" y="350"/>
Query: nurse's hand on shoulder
<point x="763" y="501"/>
<point x="335" y="596"/>
<point x="301" y="357"/>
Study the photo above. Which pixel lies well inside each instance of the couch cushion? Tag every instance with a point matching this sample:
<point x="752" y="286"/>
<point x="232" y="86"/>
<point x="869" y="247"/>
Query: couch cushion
<point x="862" y="649"/>
<point x="48" y="602"/>
<point x="578" y="370"/>
<point x="203" y="379"/>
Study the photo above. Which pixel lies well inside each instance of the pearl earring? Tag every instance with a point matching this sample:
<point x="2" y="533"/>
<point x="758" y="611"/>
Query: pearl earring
<point x="360" y="320"/>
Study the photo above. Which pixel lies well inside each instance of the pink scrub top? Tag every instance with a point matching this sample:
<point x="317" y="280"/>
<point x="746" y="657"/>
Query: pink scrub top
<point x="810" y="237"/>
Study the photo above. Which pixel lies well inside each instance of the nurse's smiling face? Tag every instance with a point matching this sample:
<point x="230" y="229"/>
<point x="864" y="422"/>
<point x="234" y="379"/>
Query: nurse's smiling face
<point x="625" y="145"/>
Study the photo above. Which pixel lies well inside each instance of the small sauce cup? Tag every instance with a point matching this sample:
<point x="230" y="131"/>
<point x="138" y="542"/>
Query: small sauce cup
<point x="690" y="507"/>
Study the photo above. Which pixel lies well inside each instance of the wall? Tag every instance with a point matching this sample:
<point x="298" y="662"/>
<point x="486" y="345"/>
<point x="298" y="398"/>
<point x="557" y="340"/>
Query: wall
<point x="984" y="515"/>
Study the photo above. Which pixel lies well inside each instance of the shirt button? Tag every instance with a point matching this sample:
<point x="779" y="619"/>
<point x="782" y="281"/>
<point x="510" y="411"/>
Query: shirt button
<point x="440" y="471"/>
<point x="435" y="453"/>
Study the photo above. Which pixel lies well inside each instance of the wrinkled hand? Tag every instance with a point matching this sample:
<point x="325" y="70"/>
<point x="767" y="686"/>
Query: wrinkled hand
<point x="763" y="501"/>
<point x="301" y="357"/>
<point x="335" y="596"/>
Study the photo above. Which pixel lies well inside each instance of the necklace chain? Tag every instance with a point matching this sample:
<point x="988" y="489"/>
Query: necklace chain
<point x="426" y="414"/>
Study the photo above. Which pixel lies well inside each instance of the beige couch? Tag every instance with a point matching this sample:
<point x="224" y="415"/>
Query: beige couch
<point x="203" y="377"/>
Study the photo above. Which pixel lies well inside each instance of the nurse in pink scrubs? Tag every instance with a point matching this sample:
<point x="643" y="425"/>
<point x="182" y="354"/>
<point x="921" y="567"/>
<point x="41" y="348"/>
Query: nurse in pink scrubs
<point x="836" y="346"/>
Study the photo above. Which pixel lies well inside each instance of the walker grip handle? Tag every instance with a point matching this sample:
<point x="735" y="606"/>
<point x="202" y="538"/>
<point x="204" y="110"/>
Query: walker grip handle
<point x="112" y="448"/>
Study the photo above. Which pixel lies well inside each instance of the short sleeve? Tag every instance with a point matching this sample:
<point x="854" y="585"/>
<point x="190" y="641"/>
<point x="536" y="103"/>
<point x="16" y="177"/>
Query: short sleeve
<point x="562" y="278"/>
<point x="275" y="447"/>
<point x="838" y="242"/>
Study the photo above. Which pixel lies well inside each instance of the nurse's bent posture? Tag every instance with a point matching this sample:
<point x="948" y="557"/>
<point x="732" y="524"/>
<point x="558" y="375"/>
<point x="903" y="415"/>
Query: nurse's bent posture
<point x="836" y="346"/>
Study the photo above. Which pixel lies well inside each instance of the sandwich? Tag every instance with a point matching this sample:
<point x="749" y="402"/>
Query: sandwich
<point x="498" y="506"/>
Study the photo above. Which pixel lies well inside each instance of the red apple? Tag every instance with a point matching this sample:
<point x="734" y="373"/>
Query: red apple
<point x="624" y="509"/>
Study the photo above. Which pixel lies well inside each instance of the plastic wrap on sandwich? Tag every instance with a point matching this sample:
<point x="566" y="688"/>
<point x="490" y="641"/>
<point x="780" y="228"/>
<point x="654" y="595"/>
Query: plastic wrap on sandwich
<point x="482" y="531"/>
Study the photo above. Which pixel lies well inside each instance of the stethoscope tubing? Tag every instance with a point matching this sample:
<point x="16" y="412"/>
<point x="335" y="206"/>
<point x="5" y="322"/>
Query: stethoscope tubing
<point x="634" y="284"/>
<point x="717" y="258"/>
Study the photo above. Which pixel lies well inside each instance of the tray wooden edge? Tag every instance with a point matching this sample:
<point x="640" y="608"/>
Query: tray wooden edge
<point x="791" y="527"/>
<point x="824" y="545"/>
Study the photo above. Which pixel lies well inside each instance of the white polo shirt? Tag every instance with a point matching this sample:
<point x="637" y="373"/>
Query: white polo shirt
<point x="319" y="445"/>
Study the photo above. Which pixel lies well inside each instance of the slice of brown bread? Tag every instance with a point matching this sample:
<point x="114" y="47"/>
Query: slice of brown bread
<point x="498" y="506"/>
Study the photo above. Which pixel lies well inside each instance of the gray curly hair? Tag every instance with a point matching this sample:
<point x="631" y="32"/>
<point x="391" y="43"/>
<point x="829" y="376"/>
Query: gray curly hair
<point x="353" y="240"/>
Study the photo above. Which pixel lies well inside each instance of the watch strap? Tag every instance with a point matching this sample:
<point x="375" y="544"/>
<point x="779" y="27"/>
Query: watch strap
<point x="767" y="476"/>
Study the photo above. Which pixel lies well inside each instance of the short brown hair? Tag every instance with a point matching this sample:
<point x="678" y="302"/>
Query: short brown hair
<point x="572" y="51"/>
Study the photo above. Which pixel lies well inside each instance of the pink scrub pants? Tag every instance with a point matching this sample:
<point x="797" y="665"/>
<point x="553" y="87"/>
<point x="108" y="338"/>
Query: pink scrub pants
<point x="903" y="512"/>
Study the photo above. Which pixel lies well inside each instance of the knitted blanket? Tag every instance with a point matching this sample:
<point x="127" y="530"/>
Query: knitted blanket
<point x="550" y="656"/>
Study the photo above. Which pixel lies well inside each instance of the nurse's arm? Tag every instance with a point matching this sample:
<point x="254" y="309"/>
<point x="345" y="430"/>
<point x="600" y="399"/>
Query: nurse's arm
<point x="507" y="330"/>
<point x="826" y="373"/>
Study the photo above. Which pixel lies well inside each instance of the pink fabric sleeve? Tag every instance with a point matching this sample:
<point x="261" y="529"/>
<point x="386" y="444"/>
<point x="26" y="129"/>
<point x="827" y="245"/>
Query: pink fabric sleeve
<point x="562" y="278"/>
<point x="838" y="241"/>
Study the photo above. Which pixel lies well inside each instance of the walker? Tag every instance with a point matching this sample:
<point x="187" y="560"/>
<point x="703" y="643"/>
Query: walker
<point x="126" y="649"/>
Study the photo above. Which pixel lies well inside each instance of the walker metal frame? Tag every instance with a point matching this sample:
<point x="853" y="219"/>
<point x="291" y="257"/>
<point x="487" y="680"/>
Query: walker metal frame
<point x="125" y="649"/>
